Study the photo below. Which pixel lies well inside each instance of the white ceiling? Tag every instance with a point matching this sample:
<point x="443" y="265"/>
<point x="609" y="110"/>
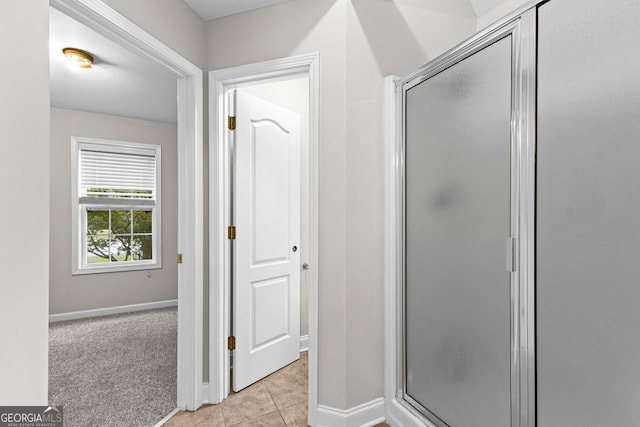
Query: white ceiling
<point x="120" y="83"/>
<point x="483" y="6"/>
<point x="212" y="9"/>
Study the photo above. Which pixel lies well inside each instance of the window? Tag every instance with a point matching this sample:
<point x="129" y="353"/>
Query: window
<point x="116" y="206"/>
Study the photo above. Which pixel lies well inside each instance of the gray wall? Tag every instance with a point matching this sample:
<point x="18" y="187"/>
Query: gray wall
<point x="383" y="38"/>
<point x="359" y="41"/>
<point x="391" y="37"/>
<point x="69" y="293"/>
<point x="24" y="209"/>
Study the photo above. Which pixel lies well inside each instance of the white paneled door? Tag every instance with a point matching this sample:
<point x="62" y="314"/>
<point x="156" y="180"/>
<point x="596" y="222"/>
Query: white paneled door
<point x="266" y="255"/>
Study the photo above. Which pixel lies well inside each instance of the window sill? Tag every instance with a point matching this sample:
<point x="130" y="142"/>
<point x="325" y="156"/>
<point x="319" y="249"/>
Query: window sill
<point x="97" y="269"/>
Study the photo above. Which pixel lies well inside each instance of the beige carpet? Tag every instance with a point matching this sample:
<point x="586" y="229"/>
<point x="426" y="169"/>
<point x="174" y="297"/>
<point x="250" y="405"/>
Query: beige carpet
<point x="115" y="370"/>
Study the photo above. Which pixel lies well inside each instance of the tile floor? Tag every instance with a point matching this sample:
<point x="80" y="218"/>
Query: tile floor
<point x="277" y="400"/>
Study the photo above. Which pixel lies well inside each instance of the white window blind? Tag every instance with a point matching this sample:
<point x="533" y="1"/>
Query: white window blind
<point x="116" y="188"/>
<point x="117" y="174"/>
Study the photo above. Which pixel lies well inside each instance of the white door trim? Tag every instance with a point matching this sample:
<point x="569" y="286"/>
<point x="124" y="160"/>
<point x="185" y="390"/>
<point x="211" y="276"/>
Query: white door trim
<point x="220" y="81"/>
<point x="105" y="20"/>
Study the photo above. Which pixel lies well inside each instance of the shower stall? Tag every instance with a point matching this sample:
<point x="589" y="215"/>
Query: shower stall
<point x="516" y="224"/>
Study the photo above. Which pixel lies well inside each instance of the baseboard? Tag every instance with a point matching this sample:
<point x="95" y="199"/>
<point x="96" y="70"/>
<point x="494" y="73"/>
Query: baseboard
<point x="304" y="343"/>
<point x="111" y="310"/>
<point x="365" y="415"/>
<point x="399" y="415"/>
<point x="167" y="418"/>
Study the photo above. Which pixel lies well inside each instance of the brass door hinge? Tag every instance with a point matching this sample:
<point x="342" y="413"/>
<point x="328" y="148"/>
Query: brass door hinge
<point x="231" y="343"/>
<point x="179" y="258"/>
<point x="231" y="123"/>
<point x="231" y="232"/>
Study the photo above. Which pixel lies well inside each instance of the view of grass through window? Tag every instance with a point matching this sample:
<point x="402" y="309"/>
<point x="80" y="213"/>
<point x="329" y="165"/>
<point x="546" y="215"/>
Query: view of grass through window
<point x="117" y="235"/>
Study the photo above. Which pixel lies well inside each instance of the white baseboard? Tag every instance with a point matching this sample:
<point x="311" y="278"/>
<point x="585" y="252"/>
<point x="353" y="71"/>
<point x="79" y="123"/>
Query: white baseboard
<point x="111" y="310"/>
<point x="365" y="415"/>
<point x="399" y="415"/>
<point x="167" y="418"/>
<point x="304" y="343"/>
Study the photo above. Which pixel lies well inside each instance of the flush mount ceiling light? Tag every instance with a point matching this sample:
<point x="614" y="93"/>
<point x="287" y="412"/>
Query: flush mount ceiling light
<point x="78" y="57"/>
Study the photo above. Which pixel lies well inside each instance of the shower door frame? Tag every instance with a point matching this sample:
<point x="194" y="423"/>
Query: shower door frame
<point x="522" y="29"/>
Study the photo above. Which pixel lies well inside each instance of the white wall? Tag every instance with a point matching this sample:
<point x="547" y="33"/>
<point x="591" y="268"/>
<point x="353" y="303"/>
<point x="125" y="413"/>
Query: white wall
<point x="69" y="293"/>
<point x="498" y="12"/>
<point x="383" y="38"/>
<point x="350" y="167"/>
<point x="295" y="28"/>
<point x="359" y="41"/>
<point x="294" y="95"/>
<point x="24" y="209"/>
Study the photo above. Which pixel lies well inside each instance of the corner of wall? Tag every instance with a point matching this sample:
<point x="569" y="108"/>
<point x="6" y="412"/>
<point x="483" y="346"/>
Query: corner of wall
<point x="499" y="12"/>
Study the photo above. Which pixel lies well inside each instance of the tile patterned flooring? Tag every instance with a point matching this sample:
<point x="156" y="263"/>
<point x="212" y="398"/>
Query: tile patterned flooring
<point x="277" y="400"/>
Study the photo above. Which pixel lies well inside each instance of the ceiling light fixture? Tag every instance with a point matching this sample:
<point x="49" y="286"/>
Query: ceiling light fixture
<point x="78" y="57"/>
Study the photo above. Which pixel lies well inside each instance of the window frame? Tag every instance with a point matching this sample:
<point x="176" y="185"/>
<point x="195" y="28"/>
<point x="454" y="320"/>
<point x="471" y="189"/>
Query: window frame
<point x="80" y="206"/>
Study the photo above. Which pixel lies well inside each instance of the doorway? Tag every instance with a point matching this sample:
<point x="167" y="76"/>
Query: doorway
<point x="106" y="21"/>
<point x="261" y="80"/>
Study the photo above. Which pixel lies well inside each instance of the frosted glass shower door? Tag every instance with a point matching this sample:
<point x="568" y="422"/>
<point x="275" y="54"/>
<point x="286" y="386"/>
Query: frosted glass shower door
<point x="457" y="219"/>
<point x="588" y="213"/>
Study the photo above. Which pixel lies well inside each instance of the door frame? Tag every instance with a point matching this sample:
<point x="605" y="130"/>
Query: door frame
<point x="103" y="19"/>
<point x="220" y="82"/>
<point x="522" y="26"/>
